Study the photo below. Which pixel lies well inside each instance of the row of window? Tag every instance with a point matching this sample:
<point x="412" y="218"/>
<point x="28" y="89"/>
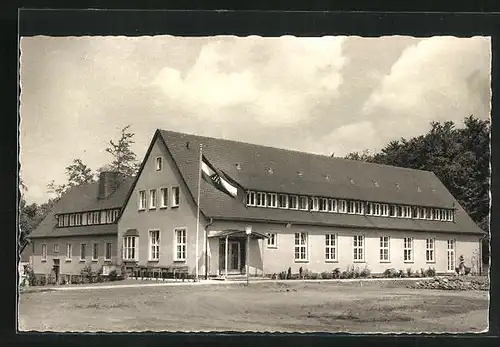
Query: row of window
<point x="307" y="203"/>
<point x="131" y="246"/>
<point x="164" y="198"/>
<point x="83" y="251"/>
<point x="331" y="248"/>
<point x="88" y="218"/>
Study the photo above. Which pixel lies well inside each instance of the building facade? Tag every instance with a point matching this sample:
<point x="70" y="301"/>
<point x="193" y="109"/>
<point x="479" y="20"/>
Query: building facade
<point x="81" y="230"/>
<point x="302" y="210"/>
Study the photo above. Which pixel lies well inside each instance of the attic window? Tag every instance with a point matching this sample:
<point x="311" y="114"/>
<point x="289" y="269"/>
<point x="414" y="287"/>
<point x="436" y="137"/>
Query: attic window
<point x="270" y="171"/>
<point x="352" y="181"/>
<point x="327" y="177"/>
<point x="376" y="183"/>
<point x="300" y="173"/>
<point x="397" y="185"/>
<point x="238" y="167"/>
<point x="419" y="189"/>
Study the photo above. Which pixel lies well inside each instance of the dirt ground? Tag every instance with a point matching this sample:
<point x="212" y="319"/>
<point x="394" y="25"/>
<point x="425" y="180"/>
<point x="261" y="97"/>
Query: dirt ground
<point x="274" y="306"/>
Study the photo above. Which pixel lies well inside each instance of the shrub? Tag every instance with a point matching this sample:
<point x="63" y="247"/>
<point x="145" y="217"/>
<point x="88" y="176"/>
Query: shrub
<point x="43" y="280"/>
<point x="306" y="274"/>
<point x="282" y="275"/>
<point x="295" y="276"/>
<point x="344" y="274"/>
<point x="355" y="272"/>
<point x="314" y="276"/>
<point x="30" y="275"/>
<point x="289" y="273"/>
<point x="467" y="270"/>
<point x="327" y="275"/>
<point x="430" y="272"/>
<point x="390" y="273"/>
<point x="336" y="273"/>
<point x="409" y="272"/>
<point x="366" y="272"/>
<point x="401" y="274"/>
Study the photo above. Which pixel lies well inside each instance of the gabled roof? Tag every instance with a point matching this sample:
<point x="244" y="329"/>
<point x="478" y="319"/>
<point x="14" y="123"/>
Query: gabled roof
<point x="80" y="199"/>
<point x="271" y="169"/>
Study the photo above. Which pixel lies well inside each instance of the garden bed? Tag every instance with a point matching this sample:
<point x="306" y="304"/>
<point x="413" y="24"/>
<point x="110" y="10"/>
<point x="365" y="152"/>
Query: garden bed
<point x="453" y="283"/>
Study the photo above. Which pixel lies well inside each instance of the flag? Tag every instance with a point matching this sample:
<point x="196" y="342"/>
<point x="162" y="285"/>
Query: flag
<point x="219" y="179"/>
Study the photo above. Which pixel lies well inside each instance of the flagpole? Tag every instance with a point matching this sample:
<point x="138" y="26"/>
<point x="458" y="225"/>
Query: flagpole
<point x="198" y="209"/>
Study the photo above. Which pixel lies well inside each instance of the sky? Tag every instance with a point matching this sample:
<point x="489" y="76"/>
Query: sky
<point x="324" y="95"/>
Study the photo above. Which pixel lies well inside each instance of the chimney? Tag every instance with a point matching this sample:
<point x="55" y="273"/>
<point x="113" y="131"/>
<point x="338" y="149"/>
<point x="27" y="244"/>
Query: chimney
<point x="108" y="182"/>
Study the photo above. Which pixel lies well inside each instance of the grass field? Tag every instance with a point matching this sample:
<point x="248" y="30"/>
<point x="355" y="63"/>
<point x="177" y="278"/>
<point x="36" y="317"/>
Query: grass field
<point x="273" y="306"/>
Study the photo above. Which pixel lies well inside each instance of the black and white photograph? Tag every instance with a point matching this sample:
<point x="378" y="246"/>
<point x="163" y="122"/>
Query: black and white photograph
<point x="336" y="184"/>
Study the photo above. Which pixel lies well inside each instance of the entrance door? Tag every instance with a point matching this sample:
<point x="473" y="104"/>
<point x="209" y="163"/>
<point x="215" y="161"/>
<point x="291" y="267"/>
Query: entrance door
<point x="234" y="256"/>
<point x="451" y="255"/>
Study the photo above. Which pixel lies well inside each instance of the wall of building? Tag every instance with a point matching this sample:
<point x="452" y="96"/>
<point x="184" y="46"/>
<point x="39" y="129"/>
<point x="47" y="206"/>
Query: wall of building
<point x="274" y="260"/>
<point x="74" y="265"/>
<point x="163" y="219"/>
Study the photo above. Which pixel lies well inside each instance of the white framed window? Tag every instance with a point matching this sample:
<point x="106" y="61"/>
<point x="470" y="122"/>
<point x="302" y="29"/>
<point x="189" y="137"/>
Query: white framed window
<point x="180" y="244"/>
<point x="95" y="252"/>
<point x="163" y="197"/>
<point x="385" y="210"/>
<point x="369" y="208"/>
<point x="66" y="220"/>
<point x="69" y="251"/>
<point x="429" y="212"/>
<point x="103" y="217"/>
<point x="314" y="204"/>
<point x="407" y="212"/>
<point x="303" y="203"/>
<point x="116" y="214"/>
<point x="350" y="207"/>
<point x="272" y="241"/>
<point x="359" y="207"/>
<point x="130" y="244"/>
<point x="56" y="248"/>
<point x="377" y="210"/>
<point x="71" y="220"/>
<point x="85" y="218"/>
<point x="251" y="198"/>
<point x="158" y="163"/>
<point x="384" y="249"/>
<point x="78" y="219"/>
<point x="342" y="206"/>
<point x="83" y="250"/>
<point x="109" y="216"/>
<point x="429" y="251"/>
<point x="261" y="199"/>
<point x="450" y="255"/>
<point x="293" y="202"/>
<point x="175" y="196"/>
<point x="408" y="249"/>
<point x="323" y="204"/>
<point x="154" y="245"/>
<point x="422" y="213"/>
<point x="332" y="205"/>
<point x="330" y="247"/>
<point x="358" y="246"/>
<point x="142" y="199"/>
<point x="272" y="200"/>
<point x="97" y="217"/>
<point x="283" y="201"/>
<point x="107" y="251"/>
<point x="300" y="247"/>
<point x="401" y="211"/>
<point x="90" y="218"/>
<point x="393" y="210"/>
<point x="443" y="215"/>
<point x="44" y="252"/>
<point x="449" y="215"/>
<point x="415" y="213"/>
<point x="152" y="199"/>
<point x="60" y="220"/>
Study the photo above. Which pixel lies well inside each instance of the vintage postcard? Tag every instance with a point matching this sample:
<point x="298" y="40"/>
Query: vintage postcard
<point x="267" y="184"/>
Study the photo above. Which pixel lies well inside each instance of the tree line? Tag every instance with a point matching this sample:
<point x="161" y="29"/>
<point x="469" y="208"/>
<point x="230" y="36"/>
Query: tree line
<point x="123" y="160"/>
<point x="459" y="157"/>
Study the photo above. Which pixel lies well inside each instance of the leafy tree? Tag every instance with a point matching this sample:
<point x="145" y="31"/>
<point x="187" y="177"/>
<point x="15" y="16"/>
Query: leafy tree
<point x="79" y="173"/>
<point x="124" y="159"/>
<point x="459" y="157"/>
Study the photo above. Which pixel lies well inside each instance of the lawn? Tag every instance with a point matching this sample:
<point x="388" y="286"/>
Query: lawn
<point x="273" y="306"/>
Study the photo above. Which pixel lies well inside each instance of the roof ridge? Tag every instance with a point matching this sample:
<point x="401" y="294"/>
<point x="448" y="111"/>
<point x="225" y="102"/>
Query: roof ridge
<point x="297" y="151"/>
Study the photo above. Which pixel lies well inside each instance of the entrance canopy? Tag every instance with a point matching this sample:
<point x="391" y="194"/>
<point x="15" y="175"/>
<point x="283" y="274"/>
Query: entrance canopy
<point x="239" y="233"/>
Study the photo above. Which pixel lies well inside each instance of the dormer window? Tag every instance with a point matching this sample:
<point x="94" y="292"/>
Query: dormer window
<point x="369" y="208"/>
<point x="251" y="198"/>
<point x="159" y="163"/>
<point x="342" y="207"/>
<point x="283" y="201"/>
<point x="261" y="199"/>
<point x="293" y="202"/>
<point x="314" y="204"/>
<point x="323" y="204"/>
<point x="272" y="200"/>
<point x="116" y="213"/>
<point x="270" y="170"/>
<point x="303" y="203"/>
<point x="60" y="220"/>
<point x="71" y="220"/>
<point x="393" y="211"/>
<point x="351" y="207"/>
<point x="385" y="210"/>
<point x="238" y="167"/>
<point x="332" y="205"/>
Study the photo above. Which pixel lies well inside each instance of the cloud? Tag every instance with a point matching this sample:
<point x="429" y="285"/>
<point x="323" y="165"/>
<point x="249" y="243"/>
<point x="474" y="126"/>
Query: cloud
<point x="276" y="81"/>
<point x="437" y="79"/>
